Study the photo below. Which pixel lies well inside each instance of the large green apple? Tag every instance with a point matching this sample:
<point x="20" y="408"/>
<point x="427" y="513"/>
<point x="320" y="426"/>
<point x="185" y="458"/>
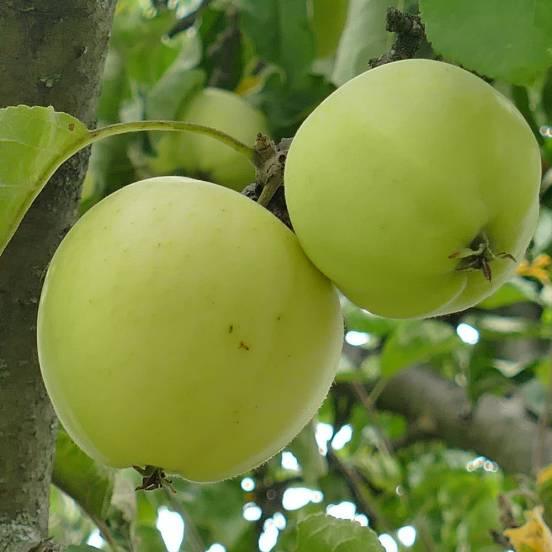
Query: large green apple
<point x="195" y="154"/>
<point x="414" y="187"/>
<point x="182" y="326"/>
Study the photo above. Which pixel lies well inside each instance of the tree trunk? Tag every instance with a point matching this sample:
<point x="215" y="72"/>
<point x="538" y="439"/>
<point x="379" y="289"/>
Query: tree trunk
<point x="51" y="53"/>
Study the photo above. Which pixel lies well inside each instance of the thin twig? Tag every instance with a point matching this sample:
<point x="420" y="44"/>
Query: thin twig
<point x="368" y="400"/>
<point x="359" y="491"/>
<point x="105" y="532"/>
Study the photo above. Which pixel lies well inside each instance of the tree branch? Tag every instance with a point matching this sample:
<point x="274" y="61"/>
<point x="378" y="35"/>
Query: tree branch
<point x="409" y="36"/>
<point x="495" y="427"/>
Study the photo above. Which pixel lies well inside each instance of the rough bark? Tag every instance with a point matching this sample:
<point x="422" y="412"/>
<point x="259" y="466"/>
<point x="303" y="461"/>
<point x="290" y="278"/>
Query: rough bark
<point x="496" y="427"/>
<point x="51" y="53"/>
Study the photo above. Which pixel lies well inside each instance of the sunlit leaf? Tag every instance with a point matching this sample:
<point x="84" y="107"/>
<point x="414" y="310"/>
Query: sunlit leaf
<point x="504" y="39"/>
<point x="512" y="292"/>
<point x="88" y="483"/>
<point x="365" y="37"/>
<point x="149" y="538"/>
<point x="416" y="341"/>
<point x="281" y="34"/>
<point x="34" y="141"/>
<point x="171" y="92"/>
<point x="321" y="533"/>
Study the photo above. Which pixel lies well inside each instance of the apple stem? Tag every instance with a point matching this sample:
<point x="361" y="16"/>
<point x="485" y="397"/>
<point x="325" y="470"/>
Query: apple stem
<point x="171" y="126"/>
<point x="270" y="160"/>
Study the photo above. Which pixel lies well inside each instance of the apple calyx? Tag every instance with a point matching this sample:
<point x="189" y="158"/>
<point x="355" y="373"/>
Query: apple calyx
<point x="153" y="478"/>
<point x="478" y="256"/>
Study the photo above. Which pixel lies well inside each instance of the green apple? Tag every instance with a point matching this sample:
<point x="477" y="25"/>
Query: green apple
<point x="414" y="187"/>
<point x="194" y="154"/>
<point x="182" y="326"/>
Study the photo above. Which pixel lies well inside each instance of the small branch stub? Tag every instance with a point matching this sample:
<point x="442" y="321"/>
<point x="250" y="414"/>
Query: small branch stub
<point x="410" y="35"/>
<point x="268" y="190"/>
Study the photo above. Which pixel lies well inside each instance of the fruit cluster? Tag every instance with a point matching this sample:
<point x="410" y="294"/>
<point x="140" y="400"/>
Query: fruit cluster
<point x="183" y="326"/>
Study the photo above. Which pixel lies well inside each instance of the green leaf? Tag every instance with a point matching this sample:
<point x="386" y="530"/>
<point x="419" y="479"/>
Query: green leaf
<point x="416" y="341"/>
<point x="502" y="39"/>
<point x="328" y="21"/>
<point x="543" y="233"/>
<point x="380" y="468"/>
<point x="515" y="291"/>
<point x="115" y="88"/>
<point x="217" y="510"/>
<point x="365" y="37"/>
<point x="81" y="548"/>
<point x="321" y="533"/>
<point x="507" y="327"/>
<point x="361" y="321"/>
<point x="76" y="474"/>
<point x="170" y="93"/>
<point x="149" y="538"/>
<point x="520" y="97"/>
<point x="148" y="57"/>
<point x="280" y="31"/>
<point x="34" y="142"/>
<point x="547" y="96"/>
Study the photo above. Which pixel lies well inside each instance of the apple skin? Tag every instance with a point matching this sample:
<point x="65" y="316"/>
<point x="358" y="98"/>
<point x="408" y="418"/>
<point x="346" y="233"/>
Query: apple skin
<point x="181" y="326"/>
<point x="399" y="169"/>
<point x="195" y="154"/>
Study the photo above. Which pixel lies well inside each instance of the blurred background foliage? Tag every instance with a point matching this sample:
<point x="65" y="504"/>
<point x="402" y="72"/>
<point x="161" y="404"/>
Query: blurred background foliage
<point x="402" y="475"/>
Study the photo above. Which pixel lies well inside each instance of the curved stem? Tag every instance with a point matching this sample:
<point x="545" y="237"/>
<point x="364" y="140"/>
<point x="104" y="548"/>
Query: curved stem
<point x="174" y="126"/>
<point x="138" y="126"/>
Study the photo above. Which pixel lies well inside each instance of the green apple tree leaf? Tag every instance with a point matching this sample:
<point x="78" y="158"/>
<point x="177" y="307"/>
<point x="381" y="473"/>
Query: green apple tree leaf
<point x="416" y="341"/>
<point x="171" y="92"/>
<point x="321" y="533"/>
<point x="280" y="31"/>
<point x="88" y="483"/>
<point x="364" y="38"/>
<point x="34" y="142"/>
<point x="502" y="39"/>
